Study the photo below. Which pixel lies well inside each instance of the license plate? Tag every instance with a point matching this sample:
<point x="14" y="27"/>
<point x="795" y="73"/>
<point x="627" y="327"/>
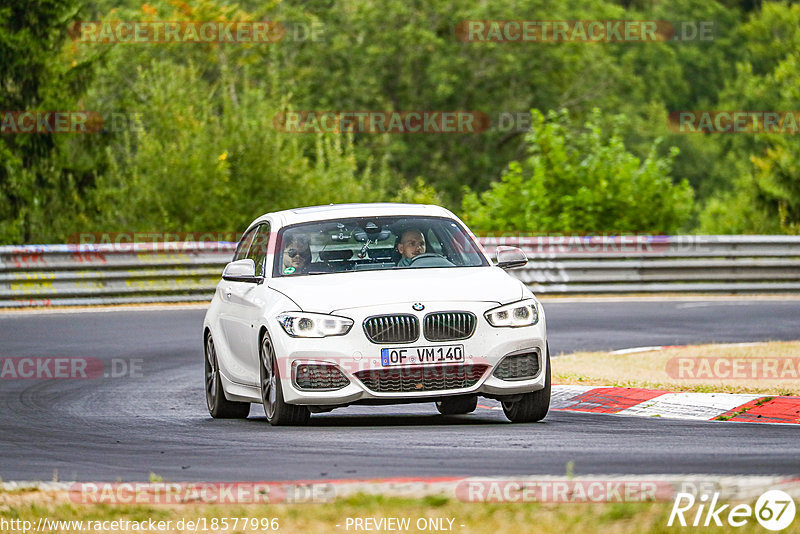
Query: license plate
<point x="434" y="354"/>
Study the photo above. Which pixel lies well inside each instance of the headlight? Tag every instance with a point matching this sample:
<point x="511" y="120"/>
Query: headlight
<point x="522" y="313"/>
<point x="298" y="324"/>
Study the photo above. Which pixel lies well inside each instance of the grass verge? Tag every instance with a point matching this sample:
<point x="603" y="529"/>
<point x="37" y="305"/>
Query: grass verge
<point x="771" y="368"/>
<point x="458" y="517"/>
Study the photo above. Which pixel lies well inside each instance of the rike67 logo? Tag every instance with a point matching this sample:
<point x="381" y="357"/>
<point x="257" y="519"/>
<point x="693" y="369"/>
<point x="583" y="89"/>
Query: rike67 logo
<point x="774" y="510"/>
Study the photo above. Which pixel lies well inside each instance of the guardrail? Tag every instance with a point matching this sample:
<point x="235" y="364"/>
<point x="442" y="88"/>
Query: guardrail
<point x="75" y="275"/>
<point x="51" y="275"/>
<point x="658" y="264"/>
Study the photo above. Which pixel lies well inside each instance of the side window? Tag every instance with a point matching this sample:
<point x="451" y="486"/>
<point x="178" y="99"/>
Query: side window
<point x="244" y="245"/>
<point x="258" y="248"/>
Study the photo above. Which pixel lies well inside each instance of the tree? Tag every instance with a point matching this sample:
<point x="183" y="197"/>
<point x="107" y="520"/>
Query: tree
<point x="762" y="196"/>
<point x="204" y="153"/>
<point x="401" y="55"/>
<point x="581" y="180"/>
<point x="33" y="76"/>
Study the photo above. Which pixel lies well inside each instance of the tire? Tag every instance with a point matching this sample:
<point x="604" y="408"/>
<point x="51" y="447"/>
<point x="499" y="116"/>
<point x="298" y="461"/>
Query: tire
<point x="533" y="406"/>
<point x="457" y="405"/>
<point x="218" y="406"/>
<point x="278" y="412"/>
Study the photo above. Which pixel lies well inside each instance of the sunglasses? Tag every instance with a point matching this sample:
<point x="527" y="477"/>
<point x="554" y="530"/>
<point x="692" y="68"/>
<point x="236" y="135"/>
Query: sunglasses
<point x="292" y="252"/>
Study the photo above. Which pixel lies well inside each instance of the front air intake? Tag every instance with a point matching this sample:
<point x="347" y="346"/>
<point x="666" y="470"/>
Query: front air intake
<point x="449" y="326"/>
<point x="417" y="379"/>
<point x="392" y="328"/>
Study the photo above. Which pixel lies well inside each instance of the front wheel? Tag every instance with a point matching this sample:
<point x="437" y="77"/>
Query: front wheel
<point x="277" y="411"/>
<point x="533" y="406"/>
<point x="218" y="406"/>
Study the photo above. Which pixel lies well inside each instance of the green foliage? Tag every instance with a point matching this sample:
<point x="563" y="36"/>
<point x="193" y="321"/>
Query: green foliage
<point x="35" y="182"/>
<point x="207" y="157"/>
<point x="778" y="179"/>
<point x="195" y="149"/>
<point x="735" y="212"/>
<point x="399" y="56"/>
<point x="581" y="181"/>
<point x="204" y="154"/>
<point x="763" y="193"/>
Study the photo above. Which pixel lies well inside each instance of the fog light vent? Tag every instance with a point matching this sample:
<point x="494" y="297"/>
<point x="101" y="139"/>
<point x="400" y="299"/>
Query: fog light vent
<point x="319" y="377"/>
<point x="518" y="367"/>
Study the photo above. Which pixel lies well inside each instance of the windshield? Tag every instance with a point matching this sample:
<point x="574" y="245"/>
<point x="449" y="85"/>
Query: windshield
<point x="375" y="243"/>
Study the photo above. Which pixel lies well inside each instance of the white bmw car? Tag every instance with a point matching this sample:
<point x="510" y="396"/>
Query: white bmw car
<point x="324" y="307"/>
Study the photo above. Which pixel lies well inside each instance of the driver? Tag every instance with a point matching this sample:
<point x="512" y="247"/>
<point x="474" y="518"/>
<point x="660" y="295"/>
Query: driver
<point x="296" y="255"/>
<point x="411" y="245"/>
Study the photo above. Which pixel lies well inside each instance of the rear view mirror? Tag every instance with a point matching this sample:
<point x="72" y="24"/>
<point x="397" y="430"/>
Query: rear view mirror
<point x="377" y="235"/>
<point x="242" y="271"/>
<point x="510" y="257"/>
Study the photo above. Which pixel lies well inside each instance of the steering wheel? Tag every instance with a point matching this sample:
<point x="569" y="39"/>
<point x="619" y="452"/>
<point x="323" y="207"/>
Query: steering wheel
<point x="423" y="255"/>
<point x="434" y="260"/>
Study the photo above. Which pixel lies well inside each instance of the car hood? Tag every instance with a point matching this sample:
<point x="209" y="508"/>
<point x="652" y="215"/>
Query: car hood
<point x="325" y="293"/>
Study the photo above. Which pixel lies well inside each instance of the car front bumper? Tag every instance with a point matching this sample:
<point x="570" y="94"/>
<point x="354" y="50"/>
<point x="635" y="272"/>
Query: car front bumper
<point x="353" y="354"/>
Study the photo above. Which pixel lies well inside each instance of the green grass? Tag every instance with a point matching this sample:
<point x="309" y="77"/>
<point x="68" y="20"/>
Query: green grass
<point x="651" y="369"/>
<point x="490" y="518"/>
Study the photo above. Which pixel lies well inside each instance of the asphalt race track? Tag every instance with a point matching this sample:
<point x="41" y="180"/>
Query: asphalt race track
<point x="126" y="428"/>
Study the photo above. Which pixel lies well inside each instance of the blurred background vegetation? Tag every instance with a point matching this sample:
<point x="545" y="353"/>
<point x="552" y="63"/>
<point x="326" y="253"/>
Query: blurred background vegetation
<point x="203" y="155"/>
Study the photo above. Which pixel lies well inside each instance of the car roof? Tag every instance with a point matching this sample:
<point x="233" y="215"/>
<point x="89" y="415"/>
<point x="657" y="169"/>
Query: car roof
<point x="341" y="211"/>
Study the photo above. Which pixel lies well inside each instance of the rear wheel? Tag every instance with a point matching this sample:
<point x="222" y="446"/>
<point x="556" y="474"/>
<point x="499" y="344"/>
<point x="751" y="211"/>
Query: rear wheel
<point x="533" y="406"/>
<point x="218" y="406"/>
<point x="277" y="411"/>
<point x="457" y="405"/>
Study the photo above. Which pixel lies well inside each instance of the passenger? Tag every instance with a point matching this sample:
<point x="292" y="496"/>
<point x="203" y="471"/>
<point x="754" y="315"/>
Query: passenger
<point x="296" y="255"/>
<point x="410" y="245"/>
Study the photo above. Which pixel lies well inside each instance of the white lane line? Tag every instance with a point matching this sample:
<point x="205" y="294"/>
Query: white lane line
<point x="634" y="350"/>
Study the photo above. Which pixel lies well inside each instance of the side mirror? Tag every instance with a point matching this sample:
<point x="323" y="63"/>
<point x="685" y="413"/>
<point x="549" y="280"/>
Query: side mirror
<point x="242" y="271"/>
<point x="510" y="257"/>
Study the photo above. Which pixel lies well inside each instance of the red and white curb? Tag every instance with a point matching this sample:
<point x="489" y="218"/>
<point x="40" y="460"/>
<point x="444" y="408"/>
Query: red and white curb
<point x="745" y="408"/>
<point x="751" y="408"/>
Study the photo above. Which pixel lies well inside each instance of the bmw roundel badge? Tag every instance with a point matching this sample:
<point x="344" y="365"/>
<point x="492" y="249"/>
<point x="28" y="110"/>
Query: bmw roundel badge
<point x="418" y="306"/>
